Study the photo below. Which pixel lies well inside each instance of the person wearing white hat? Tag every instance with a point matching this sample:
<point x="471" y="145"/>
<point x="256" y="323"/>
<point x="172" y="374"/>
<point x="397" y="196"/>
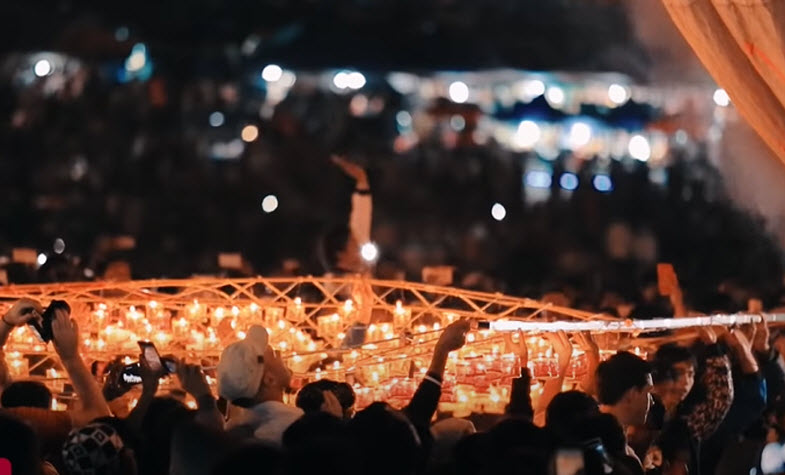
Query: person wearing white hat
<point x="252" y="377"/>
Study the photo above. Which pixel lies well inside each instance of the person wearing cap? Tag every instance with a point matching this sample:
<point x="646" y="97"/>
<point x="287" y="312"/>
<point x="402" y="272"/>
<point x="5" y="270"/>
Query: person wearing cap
<point x="97" y="449"/>
<point x="253" y="378"/>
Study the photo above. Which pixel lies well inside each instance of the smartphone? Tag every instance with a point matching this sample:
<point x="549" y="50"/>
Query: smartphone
<point x="568" y="462"/>
<point x="44" y="328"/>
<point x="596" y="458"/>
<point x="155" y="361"/>
<point x="151" y="356"/>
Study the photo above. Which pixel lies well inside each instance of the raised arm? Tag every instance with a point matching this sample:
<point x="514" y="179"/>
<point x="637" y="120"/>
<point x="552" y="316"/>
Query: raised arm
<point x="362" y="203"/>
<point x="425" y="401"/>
<point x="194" y="382"/>
<point x="520" y="404"/>
<point x="21" y="313"/>
<point x="707" y="414"/>
<point x="66" y="343"/>
<point x="563" y="349"/>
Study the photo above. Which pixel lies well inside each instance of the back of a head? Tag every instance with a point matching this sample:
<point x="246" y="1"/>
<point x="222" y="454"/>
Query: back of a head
<point x="19" y="444"/>
<point x="313" y="427"/>
<point x="319" y="443"/>
<point x="162" y="418"/>
<point x="310" y="397"/>
<point x="27" y="394"/>
<point x="379" y="427"/>
<point x="666" y="356"/>
<point x="96" y="449"/>
<point x="606" y="428"/>
<point x="517" y="443"/>
<point x="566" y="409"/>
<point x="618" y="374"/>
<point x="250" y="458"/>
<point x="195" y="449"/>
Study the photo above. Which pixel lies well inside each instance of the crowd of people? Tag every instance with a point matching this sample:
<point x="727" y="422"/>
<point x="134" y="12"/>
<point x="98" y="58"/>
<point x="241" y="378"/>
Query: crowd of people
<point x="709" y="401"/>
<point x="139" y="165"/>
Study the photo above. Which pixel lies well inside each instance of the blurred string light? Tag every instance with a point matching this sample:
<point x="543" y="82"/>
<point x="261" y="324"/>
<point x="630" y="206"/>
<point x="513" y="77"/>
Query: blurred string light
<point x="602" y="183"/>
<point x="41" y="260"/>
<point x="216" y="119"/>
<point x="459" y="92"/>
<point x="498" y="211"/>
<point x="457" y="123"/>
<point x="538" y="179"/>
<point x="249" y="133"/>
<point x="579" y="136"/>
<point x="272" y="73"/>
<point x="138" y="65"/>
<point x="269" y="203"/>
<point x="43" y="68"/>
<point x="137" y="59"/>
<point x="721" y="98"/>
<point x="569" y="181"/>
<point x="527" y="135"/>
<point x="618" y="94"/>
<point x="369" y="252"/>
<point x="534" y="88"/>
<point x="59" y="246"/>
<point x="349" y="80"/>
<point x="404" y="119"/>
<point x="555" y="96"/>
<point x="639" y="148"/>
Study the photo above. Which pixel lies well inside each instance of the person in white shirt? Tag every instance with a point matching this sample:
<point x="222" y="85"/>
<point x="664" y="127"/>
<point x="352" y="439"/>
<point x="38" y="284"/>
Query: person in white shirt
<point x="251" y="377"/>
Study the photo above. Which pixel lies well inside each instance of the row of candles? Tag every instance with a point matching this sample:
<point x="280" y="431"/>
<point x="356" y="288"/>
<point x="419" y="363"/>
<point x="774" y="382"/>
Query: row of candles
<point x="382" y="359"/>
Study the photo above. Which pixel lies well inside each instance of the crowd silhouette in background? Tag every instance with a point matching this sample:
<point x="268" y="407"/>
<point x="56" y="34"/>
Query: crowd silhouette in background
<point x="95" y="160"/>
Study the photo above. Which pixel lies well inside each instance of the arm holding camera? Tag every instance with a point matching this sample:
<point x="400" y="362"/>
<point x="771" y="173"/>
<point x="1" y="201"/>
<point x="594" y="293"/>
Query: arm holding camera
<point x="21" y="313"/>
<point x="149" y="388"/>
<point x="66" y="343"/>
<point x="194" y="382"/>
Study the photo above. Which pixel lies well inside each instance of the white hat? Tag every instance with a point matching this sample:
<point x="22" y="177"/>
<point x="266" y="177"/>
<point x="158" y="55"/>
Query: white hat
<point x="241" y="367"/>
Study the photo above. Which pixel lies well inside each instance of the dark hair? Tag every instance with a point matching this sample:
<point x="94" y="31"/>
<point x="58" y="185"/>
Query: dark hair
<point x="319" y="442"/>
<point x="310" y="397"/>
<point x="666" y="356"/>
<point x="618" y="374"/>
<point x="19" y="444"/>
<point x="567" y="409"/>
<point x="608" y="429"/>
<point x="253" y="457"/>
<point x="376" y="429"/>
<point x="27" y="394"/>
<point x="164" y="415"/>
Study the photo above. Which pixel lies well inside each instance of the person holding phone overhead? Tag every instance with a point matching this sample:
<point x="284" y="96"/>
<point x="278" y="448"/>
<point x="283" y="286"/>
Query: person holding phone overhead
<point x="340" y="249"/>
<point x="53" y="426"/>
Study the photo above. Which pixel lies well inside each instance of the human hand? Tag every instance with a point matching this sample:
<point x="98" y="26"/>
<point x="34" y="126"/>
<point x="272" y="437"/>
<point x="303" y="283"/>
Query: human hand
<point x="193" y="380"/>
<point x="65" y="334"/>
<point x="454" y="336"/>
<point x="588" y="345"/>
<point x="149" y="376"/>
<point x="520" y="348"/>
<point x="23" y="312"/>
<point x="331" y="405"/>
<point x="561" y="345"/>
<point x="761" y="341"/>
<point x="707" y="335"/>
<point x="737" y="339"/>
<point x="352" y="170"/>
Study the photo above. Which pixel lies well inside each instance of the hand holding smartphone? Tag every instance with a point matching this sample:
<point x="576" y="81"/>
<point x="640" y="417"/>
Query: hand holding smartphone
<point x="132" y="373"/>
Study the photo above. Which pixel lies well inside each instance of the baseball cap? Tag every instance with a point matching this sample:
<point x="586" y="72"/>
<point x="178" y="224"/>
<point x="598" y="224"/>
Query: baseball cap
<point x="92" y="449"/>
<point x="241" y="367"/>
